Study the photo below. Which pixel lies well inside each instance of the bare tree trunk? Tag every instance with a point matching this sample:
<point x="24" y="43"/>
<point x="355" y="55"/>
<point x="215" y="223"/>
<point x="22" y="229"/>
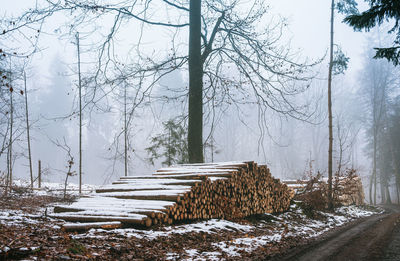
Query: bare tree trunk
<point x="397" y="190"/>
<point x="371" y="184"/>
<point x="382" y="182"/>
<point x="212" y="148"/>
<point x="330" y="151"/>
<point x="80" y="115"/>
<point x="388" y="197"/>
<point x="8" y="172"/>
<point x="195" y="130"/>
<point x="27" y="132"/>
<point x="397" y="184"/>
<point x="10" y="178"/>
<point x="169" y="158"/>
<point x="125" y="136"/>
<point x="396" y="170"/>
<point x="39" y="174"/>
<point x="375" y="176"/>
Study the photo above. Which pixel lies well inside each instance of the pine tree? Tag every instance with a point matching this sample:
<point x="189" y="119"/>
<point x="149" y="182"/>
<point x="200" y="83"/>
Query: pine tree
<point x="171" y="145"/>
<point x="380" y="11"/>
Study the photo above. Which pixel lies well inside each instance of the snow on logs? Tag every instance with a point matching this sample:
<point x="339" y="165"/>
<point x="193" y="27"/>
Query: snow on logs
<point x="230" y="190"/>
<point x="86" y="226"/>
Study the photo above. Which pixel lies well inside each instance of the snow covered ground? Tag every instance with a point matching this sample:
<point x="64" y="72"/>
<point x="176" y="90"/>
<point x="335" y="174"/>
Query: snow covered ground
<point x="227" y="239"/>
<point x="290" y="224"/>
<point x="55" y="188"/>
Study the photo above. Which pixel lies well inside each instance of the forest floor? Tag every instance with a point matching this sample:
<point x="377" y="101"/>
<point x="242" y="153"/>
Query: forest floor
<point x="26" y="232"/>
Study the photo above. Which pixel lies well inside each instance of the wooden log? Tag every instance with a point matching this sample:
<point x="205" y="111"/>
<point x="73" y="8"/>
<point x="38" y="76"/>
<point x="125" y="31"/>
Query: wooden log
<point x="69" y="227"/>
<point x="88" y="218"/>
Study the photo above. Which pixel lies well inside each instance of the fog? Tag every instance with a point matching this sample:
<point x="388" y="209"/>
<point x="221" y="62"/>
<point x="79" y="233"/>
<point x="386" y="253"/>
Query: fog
<point x="239" y="132"/>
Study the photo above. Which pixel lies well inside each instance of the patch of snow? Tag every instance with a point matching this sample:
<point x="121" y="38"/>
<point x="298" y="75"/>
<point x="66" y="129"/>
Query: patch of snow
<point x="194" y="254"/>
<point x="172" y="256"/>
<point x="210" y="226"/>
<point x="17" y="217"/>
<point x="248" y="244"/>
<point x="356" y="212"/>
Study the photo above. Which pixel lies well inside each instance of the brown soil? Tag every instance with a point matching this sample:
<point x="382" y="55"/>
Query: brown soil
<point x="51" y="243"/>
<point x="373" y="238"/>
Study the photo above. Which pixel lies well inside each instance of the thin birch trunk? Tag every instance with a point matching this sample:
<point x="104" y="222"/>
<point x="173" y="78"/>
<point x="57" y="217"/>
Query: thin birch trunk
<point x="27" y="132"/>
<point x="80" y="115"/>
<point x="125" y="136"/>
<point x="330" y="151"/>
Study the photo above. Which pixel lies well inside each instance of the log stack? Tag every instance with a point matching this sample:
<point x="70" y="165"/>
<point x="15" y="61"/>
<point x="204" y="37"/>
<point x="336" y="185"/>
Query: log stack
<point x="350" y="191"/>
<point x="230" y="190"/>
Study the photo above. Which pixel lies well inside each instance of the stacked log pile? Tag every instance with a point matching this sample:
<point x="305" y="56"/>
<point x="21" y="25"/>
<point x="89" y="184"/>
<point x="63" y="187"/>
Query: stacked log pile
<point x="350" y="191"/>
<point x="231" y="190"/>
<point x="347" y="190"/>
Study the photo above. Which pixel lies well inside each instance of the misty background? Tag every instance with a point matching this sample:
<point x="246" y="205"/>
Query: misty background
<point x="238" y="132"/>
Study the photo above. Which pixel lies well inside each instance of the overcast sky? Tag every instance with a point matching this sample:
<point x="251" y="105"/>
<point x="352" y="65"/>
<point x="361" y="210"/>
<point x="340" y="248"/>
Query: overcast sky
<point x="308" y="24"/>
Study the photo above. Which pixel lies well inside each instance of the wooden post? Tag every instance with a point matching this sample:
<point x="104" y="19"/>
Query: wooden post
<point x="40" y="174"/>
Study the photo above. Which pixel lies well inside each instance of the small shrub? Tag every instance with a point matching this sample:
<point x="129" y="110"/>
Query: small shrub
<point x="312" y="202"/>
<point x="76" y="248"/>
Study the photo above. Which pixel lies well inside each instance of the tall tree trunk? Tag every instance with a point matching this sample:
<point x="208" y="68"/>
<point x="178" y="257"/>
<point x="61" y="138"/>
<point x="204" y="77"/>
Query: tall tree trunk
<point x="195" y="130"/>
<point x="330" y="151"/>
<point x="169" y="158"/>
<point x="383" y="186"/>
<point x="39" y="173"/>
<point x="27" y="132"/>
<point x="80" y="114"/>
<point x="371" y="184"/>
<point x="396" y="170"/>
<point x="397" y="189"/>
<point x="373" y="177"/>
<point x="125" y="136"/>
<point x="10" y="178"/>
<point x="374" y="170"/>
<point x="388" y="197"/>
<point x="397" y="174"/>
<point x="8" y="171"/>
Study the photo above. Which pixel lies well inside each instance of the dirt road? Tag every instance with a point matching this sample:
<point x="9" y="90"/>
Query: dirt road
<point x="373" y="238"/>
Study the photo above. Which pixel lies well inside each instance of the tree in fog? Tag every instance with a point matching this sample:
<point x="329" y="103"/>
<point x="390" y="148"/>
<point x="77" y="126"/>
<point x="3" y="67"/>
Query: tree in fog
<point x="340" y="63"/>
<point x="12" y="122"/>
<point x="231" y="58"/>
<point x="4" y="104"/>
<point x="376" y="84"/>
<point x="384" y="164"/>
<point x="394" y="140"/>
<point x="337" y="65"/>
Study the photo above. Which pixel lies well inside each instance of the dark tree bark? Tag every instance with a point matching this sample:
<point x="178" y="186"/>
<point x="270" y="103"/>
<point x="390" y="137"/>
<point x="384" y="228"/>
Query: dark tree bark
<point x="195" y="131"/>
<point x="330" y="150"/>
